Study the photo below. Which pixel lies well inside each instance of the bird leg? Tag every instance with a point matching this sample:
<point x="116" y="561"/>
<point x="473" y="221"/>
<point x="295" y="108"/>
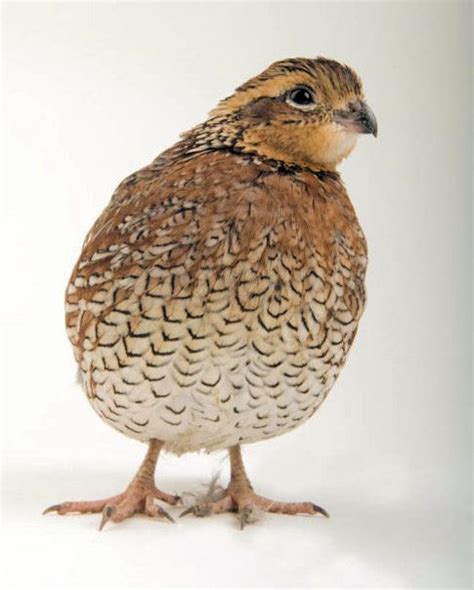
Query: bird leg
<point x="139" y="497"/>
<point x="239" y="497"/>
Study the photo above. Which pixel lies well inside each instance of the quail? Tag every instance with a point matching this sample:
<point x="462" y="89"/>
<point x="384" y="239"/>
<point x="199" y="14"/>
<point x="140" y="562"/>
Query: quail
<point x="217" y="296"/>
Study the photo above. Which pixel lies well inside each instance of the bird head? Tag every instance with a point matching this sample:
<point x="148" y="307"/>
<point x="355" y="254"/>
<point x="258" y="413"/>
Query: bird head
<point x="306" y="112"/>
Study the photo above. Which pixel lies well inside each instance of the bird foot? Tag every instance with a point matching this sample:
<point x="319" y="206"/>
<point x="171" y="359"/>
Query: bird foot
<point x="138" y="498"/>
<point x="249" y="506"/>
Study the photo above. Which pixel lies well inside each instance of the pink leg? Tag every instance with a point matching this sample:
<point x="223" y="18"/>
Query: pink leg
<point x="139" y="497"/>
<point x="240" y="497"/>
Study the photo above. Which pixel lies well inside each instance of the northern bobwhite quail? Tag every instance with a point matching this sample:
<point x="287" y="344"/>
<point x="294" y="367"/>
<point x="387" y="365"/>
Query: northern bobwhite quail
<point x="217" y="296"/>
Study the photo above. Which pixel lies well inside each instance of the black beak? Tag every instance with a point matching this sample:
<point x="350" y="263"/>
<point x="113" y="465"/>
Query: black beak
<point x="367" y="120"/>
<point x="358" y="118"/>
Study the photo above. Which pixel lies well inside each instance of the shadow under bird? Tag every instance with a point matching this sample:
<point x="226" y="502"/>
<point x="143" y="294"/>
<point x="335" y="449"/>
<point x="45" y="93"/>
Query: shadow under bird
<point x="217" y="296"/>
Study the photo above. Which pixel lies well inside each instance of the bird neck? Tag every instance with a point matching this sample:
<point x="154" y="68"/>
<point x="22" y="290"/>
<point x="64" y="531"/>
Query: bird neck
<point x="230" y="133"/>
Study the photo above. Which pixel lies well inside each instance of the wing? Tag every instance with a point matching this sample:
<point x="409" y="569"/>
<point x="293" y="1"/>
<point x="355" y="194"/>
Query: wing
<point x="169" y="232"/>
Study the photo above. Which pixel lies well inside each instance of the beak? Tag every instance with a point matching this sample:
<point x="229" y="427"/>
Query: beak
<point x="357" y="118"/>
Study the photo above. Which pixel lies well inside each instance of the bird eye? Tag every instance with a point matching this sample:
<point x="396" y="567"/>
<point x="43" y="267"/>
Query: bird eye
<point x="300" y="97"/>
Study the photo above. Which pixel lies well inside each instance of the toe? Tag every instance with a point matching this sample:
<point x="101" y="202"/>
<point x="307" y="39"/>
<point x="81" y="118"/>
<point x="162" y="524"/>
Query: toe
<point x="164" y="497"/>
<point x="155" y="511"/>
<point x="80" y="507"/>
<point x="247" y="515"/>
<point x="202" y="509"/>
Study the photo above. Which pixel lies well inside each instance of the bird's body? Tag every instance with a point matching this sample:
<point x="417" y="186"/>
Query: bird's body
<point x="216" y="299"/>
<point x="217" y="296"/>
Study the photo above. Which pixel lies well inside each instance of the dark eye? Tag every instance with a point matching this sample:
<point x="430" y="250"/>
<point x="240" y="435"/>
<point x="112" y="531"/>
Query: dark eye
<point x="300" y="97"/>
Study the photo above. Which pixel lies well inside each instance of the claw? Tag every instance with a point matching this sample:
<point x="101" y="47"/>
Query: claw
<point x="242" y="520"/>
<point x="165" y="514"/>
<point x="106" y="516"/>
<point x="197" y="510"/>
<point x="317" y="509"/>
<point x="53" y="508"/>
<point x="189" y="510"/>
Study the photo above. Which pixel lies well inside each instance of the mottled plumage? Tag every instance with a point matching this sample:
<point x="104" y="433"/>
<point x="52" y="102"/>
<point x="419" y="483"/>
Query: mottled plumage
<point x="217" y="296"/>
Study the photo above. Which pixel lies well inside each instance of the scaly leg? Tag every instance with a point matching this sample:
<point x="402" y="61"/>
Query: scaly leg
<point x="139" y="497"/>
<point x="239" y="497"/>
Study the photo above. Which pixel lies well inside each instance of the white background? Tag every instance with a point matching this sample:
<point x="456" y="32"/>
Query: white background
<point x="91" y="92"/>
